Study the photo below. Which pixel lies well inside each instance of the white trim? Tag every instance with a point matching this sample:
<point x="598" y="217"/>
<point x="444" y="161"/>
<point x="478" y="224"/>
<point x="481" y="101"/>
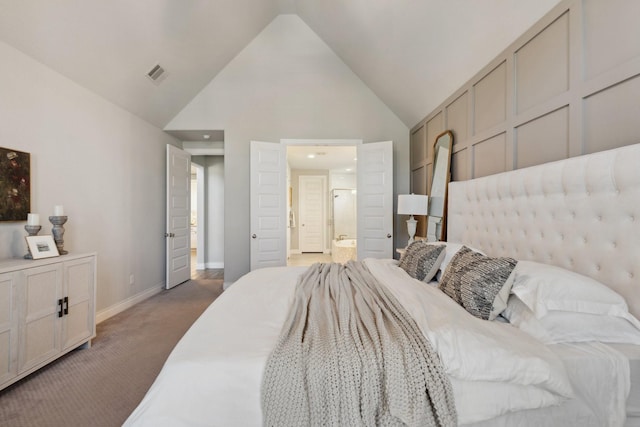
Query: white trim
<point x="321" y="141"/>
<point x="128" y="303"/>
<point x="295" y="252"/>
<point x="205" y="151"/>
<point x="217" y="264"/>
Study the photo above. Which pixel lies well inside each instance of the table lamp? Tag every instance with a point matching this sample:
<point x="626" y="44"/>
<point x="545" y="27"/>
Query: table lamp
<point x="412" y="204"/>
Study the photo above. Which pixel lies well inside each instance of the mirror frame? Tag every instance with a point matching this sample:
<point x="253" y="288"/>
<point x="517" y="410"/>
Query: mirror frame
<point x="447" y="179"/>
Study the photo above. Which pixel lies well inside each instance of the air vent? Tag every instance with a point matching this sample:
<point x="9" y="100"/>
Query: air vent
<point x="156" y="74"/>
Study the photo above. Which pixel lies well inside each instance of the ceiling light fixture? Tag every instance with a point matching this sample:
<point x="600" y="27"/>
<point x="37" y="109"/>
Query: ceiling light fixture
<point x="206" y="136"/>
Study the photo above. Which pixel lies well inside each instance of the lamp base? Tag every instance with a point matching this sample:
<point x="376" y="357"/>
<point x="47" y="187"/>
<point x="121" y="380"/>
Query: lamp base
<point x="411" y="228"/>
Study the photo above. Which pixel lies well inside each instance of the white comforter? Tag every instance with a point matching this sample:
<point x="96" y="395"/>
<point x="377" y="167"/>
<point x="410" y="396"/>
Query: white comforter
<point x="213" y="376"/>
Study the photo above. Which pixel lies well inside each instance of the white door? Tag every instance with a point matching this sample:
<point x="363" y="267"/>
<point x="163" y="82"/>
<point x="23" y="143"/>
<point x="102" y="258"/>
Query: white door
<point x="268" y="205"/>
<point x="375" y="200"/>
<point x="178" y="211"/>
<point x="311" y="190"/>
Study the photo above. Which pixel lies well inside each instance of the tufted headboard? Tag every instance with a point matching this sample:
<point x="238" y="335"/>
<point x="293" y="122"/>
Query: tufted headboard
<point x="582" y="214"/>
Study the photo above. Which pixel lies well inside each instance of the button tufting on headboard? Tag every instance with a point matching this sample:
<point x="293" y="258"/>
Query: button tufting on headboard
<point x="578" y="213"/>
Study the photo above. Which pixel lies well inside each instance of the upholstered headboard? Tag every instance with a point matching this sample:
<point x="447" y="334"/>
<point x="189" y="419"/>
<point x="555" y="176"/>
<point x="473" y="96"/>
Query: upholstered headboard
<point x="582" y="214"/>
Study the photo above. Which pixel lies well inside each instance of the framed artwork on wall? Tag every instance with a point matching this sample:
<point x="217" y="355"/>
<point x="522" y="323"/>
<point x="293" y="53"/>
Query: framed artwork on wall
<point x="15" y="185"/>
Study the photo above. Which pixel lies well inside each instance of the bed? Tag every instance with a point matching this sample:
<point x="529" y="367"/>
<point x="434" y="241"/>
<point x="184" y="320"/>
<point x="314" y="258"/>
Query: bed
<point x="572" y="226"/>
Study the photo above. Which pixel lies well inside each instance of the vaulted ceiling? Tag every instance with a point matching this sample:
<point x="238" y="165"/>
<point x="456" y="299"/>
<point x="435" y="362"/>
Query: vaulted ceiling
<point x="411" y="53"/>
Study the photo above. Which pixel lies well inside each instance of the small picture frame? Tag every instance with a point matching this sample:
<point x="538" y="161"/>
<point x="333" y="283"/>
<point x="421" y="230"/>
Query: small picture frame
<point x="42" y="246"/>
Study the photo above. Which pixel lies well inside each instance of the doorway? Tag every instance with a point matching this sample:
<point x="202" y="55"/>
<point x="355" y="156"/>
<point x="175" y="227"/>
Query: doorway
<point x="207" y="216"/>
<point x="196" y="217"/>
<point x="315" y="171"/>
<point x="272" y="219"/>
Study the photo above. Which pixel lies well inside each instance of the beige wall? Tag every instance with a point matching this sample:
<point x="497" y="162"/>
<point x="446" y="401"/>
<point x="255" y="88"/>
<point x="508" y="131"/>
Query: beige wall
<point x="568" y="86"/>
<point x="286" y="84"/>
<point x="105" y="165"/>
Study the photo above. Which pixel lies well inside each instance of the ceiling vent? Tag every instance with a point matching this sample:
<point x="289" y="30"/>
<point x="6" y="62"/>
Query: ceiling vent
<point x="156" y="74"/>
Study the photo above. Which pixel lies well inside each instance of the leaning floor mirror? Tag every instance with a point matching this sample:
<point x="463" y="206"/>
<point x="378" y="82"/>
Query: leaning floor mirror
<point x="437" y="219"/>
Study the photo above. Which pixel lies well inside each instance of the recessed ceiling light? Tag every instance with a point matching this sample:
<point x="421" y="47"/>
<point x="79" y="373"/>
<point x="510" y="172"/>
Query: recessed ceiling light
<point x="348" y="169"/>
<point x="206" y="136"/>
<point x="311" y="156"/>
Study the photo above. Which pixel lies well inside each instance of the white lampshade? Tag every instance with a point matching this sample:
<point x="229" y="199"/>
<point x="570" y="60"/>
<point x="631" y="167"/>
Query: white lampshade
<point x="413" y="204"/>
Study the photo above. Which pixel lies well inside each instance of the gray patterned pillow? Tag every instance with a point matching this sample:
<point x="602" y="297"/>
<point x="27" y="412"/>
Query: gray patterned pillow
<point x="422" y="260"/>
<point x="479" y="283"/>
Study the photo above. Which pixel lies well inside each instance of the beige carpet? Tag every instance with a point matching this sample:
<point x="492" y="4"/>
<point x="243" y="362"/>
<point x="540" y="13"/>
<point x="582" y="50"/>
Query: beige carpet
<point x="102" y="385"/>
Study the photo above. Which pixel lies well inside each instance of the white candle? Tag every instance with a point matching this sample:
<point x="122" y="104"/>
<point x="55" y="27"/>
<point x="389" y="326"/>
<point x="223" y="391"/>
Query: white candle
<point x="33" y="219"/>
<point x="58" y="210"/>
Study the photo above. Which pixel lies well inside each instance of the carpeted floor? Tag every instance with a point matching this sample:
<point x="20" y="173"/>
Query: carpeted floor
<point x="101" y="386"/>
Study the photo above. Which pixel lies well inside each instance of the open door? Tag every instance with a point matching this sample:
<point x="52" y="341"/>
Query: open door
<point x="178" y="248"/>
<point x="268" y="205"/>
<point x="375" y="200"/>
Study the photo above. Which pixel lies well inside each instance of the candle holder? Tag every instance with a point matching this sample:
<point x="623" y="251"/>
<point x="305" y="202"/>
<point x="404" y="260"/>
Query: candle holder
<point x="58" y="232"/>
<point x="33" y="231"/>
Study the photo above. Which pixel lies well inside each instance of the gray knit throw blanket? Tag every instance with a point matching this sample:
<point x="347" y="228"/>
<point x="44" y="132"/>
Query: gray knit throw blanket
<point x="350" y="355"/>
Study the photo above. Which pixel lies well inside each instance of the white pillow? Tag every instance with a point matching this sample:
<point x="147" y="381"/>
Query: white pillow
<point x="566" y="326"/>
<point x="543" y="287"/>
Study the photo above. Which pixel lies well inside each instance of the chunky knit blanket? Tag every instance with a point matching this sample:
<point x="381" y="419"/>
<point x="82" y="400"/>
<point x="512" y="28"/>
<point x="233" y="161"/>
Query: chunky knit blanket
<point x="350" y="355"/>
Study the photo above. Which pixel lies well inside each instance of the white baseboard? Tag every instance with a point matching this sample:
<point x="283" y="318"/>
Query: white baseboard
<point x="201" y="266"/>
<point x="295" y="252"/>
<point x="108" y="312"/>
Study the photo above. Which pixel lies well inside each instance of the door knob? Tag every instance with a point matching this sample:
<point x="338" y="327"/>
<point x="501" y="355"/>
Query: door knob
<point x="253" y="236"/>
<point x="388" y="235"/>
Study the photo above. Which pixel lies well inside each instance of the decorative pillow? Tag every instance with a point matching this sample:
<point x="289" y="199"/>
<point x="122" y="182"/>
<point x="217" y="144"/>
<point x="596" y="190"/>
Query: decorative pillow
<point x="566" y="326"/>
<point x="422" y="260"/>
<point x="452" y="249"/>
<point x="479" y="283"/>
<point x="543" y="287"/>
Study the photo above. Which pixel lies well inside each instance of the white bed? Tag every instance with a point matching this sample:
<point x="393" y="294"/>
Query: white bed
<point x="579" y="214"/>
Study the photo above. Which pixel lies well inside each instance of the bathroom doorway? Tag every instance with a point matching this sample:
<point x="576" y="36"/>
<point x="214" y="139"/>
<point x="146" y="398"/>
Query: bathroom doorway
<point x="333" y="168"/>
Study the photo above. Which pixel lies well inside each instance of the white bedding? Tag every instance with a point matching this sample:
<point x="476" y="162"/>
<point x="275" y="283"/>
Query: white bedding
<point x="213" y="376"/>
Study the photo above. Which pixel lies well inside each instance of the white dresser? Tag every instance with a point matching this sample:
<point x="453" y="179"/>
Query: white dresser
<point x="47" y="308"/>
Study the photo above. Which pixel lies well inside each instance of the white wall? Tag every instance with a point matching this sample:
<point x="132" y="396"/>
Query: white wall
<point x="212" y="224"/>
<point x="342" y="180"/>
<point x="106" y="166"/>
<point x="286" y="83"/>
<point x="214" y="175"/>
